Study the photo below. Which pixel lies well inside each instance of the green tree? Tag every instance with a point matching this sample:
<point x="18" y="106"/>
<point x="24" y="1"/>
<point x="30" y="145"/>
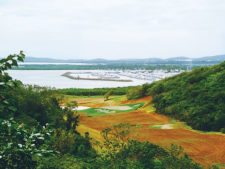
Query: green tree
<point x="71" y="119"/>
<point x="7" y="84"/>
<point x="135" y="93"/>
<point x="108" y="94"/>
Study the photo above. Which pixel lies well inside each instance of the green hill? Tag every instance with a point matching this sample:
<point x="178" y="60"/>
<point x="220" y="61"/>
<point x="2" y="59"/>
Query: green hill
<point x="196" y="97"/>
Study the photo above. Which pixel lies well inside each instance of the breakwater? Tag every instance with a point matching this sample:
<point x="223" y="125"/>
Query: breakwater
<point x="70" y="76"/>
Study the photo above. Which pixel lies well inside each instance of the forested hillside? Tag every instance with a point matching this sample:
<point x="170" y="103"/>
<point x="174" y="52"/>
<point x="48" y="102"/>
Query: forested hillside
<point x="196" y="97"/>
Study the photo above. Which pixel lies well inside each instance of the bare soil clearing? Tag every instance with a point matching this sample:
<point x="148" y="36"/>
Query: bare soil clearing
<point x="205" y="148"/>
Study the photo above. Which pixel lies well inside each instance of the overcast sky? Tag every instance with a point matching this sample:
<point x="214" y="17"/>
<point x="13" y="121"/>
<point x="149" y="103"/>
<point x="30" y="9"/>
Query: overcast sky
<point x="112" y="29"/>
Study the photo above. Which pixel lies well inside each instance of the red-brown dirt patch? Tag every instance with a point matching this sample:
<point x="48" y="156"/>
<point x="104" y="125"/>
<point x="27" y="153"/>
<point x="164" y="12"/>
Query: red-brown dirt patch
<point x="203" y="148"/>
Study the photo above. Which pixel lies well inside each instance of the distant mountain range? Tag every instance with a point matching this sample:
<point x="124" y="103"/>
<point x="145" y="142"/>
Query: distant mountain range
<point x="202" y="60"/>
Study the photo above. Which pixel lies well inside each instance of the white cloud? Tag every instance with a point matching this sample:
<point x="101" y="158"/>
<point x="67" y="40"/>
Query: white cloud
<point x="112" y="29"/>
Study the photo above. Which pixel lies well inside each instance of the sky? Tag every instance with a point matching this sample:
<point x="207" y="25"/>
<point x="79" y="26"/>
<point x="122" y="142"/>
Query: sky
<point x="112" y="29"/>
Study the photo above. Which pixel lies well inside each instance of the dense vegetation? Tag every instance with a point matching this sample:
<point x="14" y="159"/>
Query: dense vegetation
<point x="36" y="133"/>
<point x="94" y="92"/>
<point x="196" y="97"/>
<point x="31" y="121"/>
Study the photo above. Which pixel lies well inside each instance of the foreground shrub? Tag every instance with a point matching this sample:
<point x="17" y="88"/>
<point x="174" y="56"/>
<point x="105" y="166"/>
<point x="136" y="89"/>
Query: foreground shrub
<point x="62" y="162"/>
<point x="70" y="142"/>
<point x="18" y="145"/>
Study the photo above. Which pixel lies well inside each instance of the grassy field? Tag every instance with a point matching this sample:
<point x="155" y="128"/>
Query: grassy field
<point x="111" y="109"/>
<point x="205" y="148"/>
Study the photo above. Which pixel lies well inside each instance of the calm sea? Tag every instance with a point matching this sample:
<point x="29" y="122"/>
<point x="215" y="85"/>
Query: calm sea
<point x="53" y="78"/>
